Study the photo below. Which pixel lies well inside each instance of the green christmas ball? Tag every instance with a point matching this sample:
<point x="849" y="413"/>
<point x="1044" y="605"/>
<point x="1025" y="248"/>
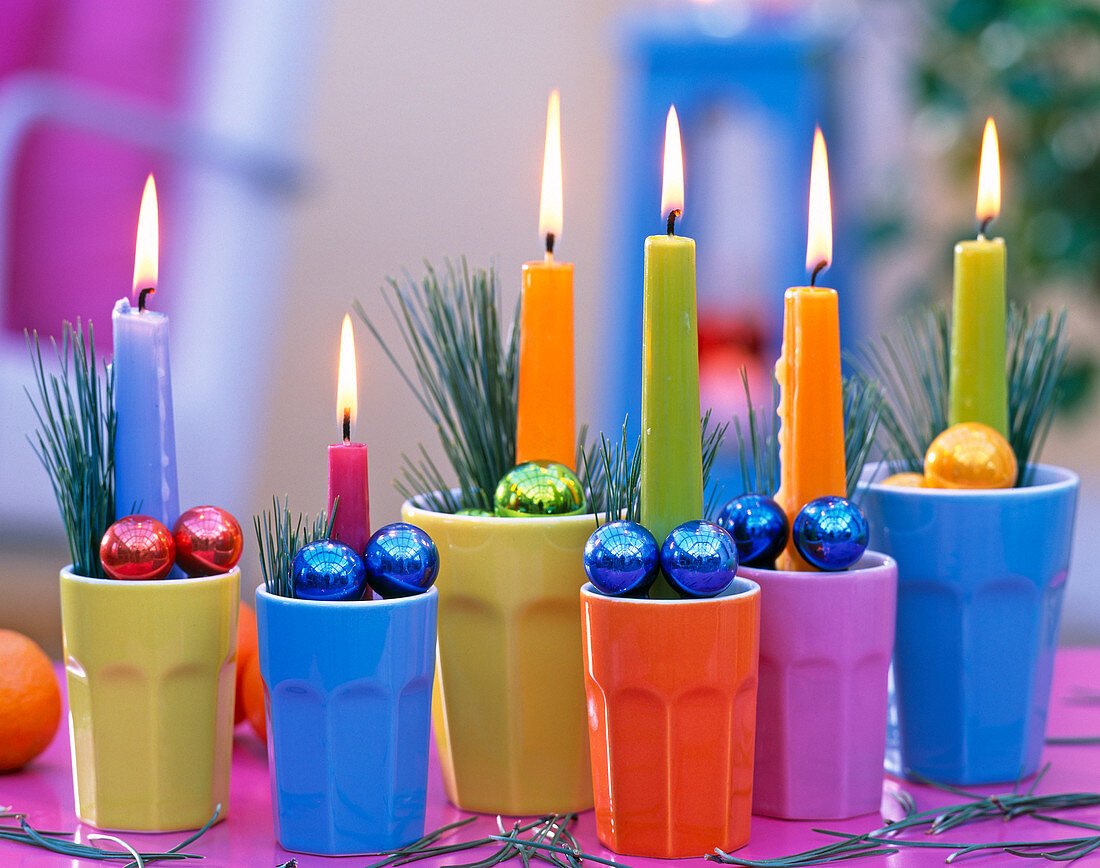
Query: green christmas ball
<point x="474" y="510"/>
<point x="539" y="488"/>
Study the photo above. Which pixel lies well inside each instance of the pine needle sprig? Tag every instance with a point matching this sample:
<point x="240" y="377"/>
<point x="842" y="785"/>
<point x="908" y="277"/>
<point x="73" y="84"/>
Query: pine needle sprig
<point x="75" y="440"/>
<point x="464" y="373"/>
<point x="24" y="833"/>
<point x="713" y="435"/>
<point x="280" y="536"/>
<point x="913" y="373"/>
<point x="1037" y="353"/>
<point x="863" y="408"/>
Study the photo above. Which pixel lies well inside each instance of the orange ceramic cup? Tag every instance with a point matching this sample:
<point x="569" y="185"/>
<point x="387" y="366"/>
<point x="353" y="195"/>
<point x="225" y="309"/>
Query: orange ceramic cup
<point x="671" y="688"/>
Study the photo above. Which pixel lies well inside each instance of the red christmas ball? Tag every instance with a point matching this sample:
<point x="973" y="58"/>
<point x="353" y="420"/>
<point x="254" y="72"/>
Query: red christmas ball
<point x="137" y="547"/>
<point x="208" y="541"/>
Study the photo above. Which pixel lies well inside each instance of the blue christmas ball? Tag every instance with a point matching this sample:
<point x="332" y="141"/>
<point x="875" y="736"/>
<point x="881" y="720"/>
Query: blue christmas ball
<point x="401" y="560"/>
<point x="328" y="570"/>
<point x="830" y="533"/>
<point x="759" y="527"/>
<point x="621" y="558"/>
<point x="699" y="559"/>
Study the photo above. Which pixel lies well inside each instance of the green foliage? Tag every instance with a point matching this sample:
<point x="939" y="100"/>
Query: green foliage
<point x="279" y="537"/>
<point x="465" y="367"/>
<point x="912" y="369"/>
<point x="75" y="440"/>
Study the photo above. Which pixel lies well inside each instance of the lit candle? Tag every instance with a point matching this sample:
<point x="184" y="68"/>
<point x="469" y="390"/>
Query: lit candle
<point x="979" y="386"/>
<point x="671" y="486"/>
<point x="545" y="426"/>
<point x="145" y="437"/>
<point x="347" y="461"/>
<point x="811" y="408"/>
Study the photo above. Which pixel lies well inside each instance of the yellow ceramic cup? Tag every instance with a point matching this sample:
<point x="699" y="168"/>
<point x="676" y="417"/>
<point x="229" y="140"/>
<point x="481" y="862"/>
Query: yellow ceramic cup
<point x="509" y="707"/>
<point x="151" y="676"/>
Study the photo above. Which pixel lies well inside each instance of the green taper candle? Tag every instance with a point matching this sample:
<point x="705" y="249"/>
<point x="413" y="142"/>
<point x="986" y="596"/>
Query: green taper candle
<point x="979" y="384"/>
<point x="671" y="486"/>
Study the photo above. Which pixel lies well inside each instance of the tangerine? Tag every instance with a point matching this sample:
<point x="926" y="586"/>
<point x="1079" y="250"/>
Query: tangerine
<point x="252" y="690"/>
<point x="246" y="649"/>
<point x="30" y="700"/>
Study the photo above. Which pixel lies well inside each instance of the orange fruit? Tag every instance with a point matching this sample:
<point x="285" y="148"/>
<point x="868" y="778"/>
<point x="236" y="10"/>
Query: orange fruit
<point x="246" y="649"/>
<point x="252" y="691"/>
<point x="30" y="700"/>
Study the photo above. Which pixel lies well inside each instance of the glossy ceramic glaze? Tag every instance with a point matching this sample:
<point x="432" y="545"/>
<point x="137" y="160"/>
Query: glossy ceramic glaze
<point x="671" y="688"/>
<point x="980" y="582"/>
<point x="348" y="688"/>
<point x="151" y="670"/>
<point x="509" y="700"/>
<point x="825" y="645"/>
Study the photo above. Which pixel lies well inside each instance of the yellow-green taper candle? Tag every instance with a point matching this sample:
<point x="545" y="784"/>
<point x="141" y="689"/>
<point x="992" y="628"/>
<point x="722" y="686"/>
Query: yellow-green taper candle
<point x="979" y="387"/>
<point x="671" y="486"/>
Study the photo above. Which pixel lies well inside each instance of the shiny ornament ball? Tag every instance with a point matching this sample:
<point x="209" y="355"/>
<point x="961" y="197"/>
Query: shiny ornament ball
<point x="699" y="559"/>
<point x="830" y="533"/>
<point x="622" y="558"/>
<point x="539" y="488"/>
<point x="328" y="570"/>
<point x="476" y="510"/>
<point x="970" y="455"/>
<point x="905" y="480"/>
<point x="208" y="541"/>
<point x="137" y="547"/>
<point x="401" y="560"/>
<point x="758" y="526"/>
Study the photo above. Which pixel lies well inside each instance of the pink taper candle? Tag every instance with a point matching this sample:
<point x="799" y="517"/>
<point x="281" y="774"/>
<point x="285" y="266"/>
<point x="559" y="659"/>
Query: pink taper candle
<point x="347" y="461"/>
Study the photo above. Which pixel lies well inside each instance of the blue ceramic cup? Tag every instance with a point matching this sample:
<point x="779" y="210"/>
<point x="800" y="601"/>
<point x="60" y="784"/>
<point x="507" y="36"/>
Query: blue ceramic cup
<point x="980" y="582"/>
<point x="349" y="693"/>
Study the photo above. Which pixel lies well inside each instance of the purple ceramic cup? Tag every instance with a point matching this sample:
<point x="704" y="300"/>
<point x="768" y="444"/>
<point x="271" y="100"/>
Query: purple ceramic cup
<point x="825" y="644"/>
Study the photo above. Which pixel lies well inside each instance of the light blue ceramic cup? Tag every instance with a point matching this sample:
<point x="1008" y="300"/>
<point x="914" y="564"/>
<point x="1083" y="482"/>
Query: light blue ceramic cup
<point x="349" y="694"/>
<point x="980" y="582"/>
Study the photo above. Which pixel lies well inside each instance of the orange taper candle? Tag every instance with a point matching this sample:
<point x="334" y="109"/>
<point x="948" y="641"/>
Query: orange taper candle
<point x="545" y="425"/>
<point x="811" y="403"/>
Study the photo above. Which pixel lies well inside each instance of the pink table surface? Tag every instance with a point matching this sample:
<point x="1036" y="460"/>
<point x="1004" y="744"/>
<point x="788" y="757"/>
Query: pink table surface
<point x="44" y="791"/>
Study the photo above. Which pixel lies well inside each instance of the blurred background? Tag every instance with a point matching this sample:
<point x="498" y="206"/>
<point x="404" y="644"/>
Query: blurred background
<point x="304" y="151"/>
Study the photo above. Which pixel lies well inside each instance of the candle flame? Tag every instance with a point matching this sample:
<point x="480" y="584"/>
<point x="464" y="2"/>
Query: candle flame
<point x="989" y="176"/>
<point x="148" y="241"/>
<point x="672" y="189"/>
<point x="346" y="391"/>
<point x="550" y="204"/>
<point x="819" y="238"/>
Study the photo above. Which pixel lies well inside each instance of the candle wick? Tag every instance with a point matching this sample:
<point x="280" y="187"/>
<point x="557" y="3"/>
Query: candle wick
<point x="820" y="267"/>
<point x="983" y="226"/>
<point x="347" y="424"/>
<point x="550" y="245"/>
<point x="141" y="297"/>
<point x="670" y="227"/>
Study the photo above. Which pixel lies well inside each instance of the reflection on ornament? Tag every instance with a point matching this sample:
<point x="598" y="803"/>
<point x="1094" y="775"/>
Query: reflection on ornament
<point x="970" y="455"/>
<point x="699" y="559"/>
<point x="328" y="570"/>
<point x="208" y="541"/>
<point x="830" y="533"/>
<point x="905" y="480"/>
<point x="401" y="560"/>
<point x="759" y="527"/>
<point x="137" y="547"/>
<point x="539" y="488"/>
<point x="621" y="558"/>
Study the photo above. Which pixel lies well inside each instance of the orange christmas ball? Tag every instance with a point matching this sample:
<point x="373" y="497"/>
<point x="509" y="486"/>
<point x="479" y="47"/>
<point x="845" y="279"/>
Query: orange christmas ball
<point x="970" y="455"/>
<point x="30" y="700"/>
<point x="905" y="480"/>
